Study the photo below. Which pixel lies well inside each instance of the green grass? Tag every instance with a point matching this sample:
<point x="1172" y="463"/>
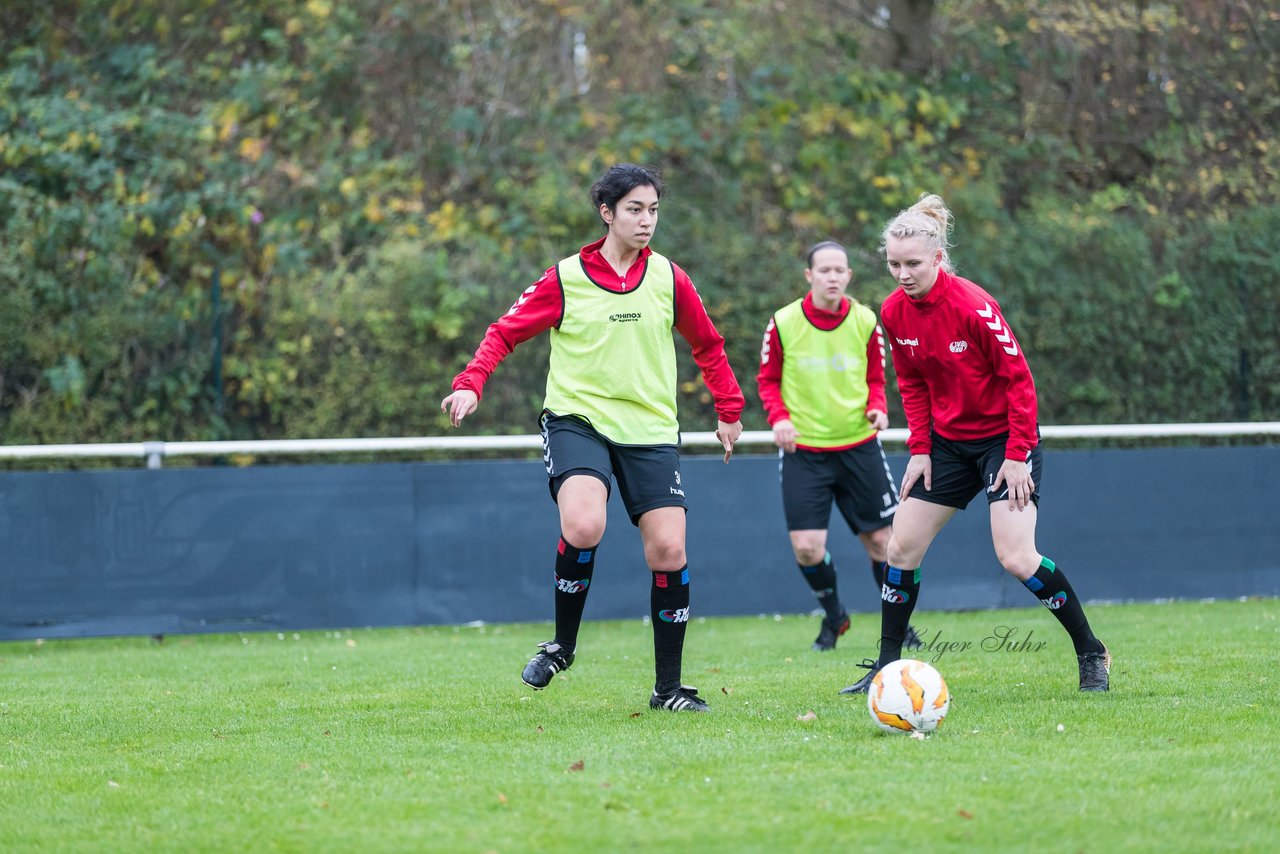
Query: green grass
<point x="424" y="739"/>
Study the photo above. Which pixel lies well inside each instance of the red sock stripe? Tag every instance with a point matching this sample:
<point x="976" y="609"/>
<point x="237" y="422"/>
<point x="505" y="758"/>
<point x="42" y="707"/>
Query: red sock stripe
<point x="671" y="579"/>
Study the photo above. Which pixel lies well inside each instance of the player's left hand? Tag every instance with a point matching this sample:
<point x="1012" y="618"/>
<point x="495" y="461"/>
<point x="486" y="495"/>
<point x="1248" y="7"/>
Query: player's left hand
<point x="878" y="419"/>
<point x="919" y="467"/>
<point x="784" y="435"/>
<point x="728" y="435"/>
<point x="1015" y="475"/>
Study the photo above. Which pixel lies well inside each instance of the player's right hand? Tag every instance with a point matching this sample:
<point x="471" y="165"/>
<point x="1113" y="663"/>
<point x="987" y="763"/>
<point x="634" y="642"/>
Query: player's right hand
<point x="459" y="405"/>
<point x="785" y="435"/>
<point x="728" y="433"/>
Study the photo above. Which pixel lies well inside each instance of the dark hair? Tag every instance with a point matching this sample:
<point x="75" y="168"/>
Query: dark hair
<point x="620" y="180"/>
<point x="819" y="246"/>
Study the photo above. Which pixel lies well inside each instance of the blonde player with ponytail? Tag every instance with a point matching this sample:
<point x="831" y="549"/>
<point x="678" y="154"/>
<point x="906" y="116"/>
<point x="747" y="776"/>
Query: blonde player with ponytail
<point x="970" y="403"/>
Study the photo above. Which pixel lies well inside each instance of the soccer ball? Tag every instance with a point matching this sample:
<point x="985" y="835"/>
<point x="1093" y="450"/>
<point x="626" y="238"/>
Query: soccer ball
<point x="908" y="696"/>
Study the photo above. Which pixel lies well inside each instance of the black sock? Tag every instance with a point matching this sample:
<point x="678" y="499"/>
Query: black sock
<point x="877" y="572"/>
<point x="822" y="578"/>
<point x="573" y="579"/>
<point x="669" y="599"/>
<point x="1051" y="587"/>
<point x="898" y="592"/>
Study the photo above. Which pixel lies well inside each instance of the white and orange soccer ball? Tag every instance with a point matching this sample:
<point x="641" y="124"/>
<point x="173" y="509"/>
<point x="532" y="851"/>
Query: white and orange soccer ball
<point x="908" y="696"/>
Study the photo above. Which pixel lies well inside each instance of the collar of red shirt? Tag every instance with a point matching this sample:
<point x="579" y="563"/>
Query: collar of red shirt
<point x="823" y="319"/>
<point x="602" y="272"/>
<point x="937" y="293"/>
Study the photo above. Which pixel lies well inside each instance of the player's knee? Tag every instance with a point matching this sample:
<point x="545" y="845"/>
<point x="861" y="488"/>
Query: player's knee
<point x="1020" y="564"/>
<point x="877" y="543"/>
<point x="900" y="554"/>
<point x="665" y="555"/>
<point x="808" y="554"/>
<point x="583" y="532"/>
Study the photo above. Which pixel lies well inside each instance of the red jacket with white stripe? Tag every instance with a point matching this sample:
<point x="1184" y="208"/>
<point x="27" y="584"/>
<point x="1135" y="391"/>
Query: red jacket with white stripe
<point x="960" y="369"/>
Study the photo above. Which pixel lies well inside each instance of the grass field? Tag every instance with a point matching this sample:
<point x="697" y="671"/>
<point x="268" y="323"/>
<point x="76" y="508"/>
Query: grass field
<point x="424" y="739"/>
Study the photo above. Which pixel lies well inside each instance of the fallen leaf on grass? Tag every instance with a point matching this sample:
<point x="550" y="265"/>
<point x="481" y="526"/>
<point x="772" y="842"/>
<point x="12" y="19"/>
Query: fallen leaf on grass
<point x="807" y="717"/>
<point x="539" y="729"/>
<point x="635" y="714"/>
<point x="502" y="799"/>
<point x="577" y="766"/>
<point x="965" y="814"/>
<point x="726" y="691"/>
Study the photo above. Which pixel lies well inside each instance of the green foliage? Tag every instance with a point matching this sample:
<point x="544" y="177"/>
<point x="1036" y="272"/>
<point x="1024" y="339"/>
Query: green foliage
<point x="1236" y="277"/>
<point x="1119" y="329"/>
<point x="370" y="186"/>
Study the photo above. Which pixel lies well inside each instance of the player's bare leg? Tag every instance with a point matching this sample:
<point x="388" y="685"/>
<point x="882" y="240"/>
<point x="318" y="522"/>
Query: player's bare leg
<point x="1013" y="533"/>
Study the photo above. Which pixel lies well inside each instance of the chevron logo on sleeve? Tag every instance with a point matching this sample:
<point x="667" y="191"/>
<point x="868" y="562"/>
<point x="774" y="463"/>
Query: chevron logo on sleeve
<point x="996" y="325"/>
<point x="524" y="297"/>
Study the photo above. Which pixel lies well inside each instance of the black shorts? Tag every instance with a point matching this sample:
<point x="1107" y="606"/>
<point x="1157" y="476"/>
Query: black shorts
<point x="648" y="475"/>
<point x="963" y="469"/>
<point x="857" y="478"/>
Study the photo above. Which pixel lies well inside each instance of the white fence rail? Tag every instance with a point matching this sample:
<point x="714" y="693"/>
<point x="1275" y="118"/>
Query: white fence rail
<point x="156" y="452"/>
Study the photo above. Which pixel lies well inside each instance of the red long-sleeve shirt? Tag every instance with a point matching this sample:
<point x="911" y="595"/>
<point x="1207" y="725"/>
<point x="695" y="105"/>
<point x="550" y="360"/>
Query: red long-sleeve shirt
<point x="960" y="369"/>
<point x="769" y="378"/>
<point x="541" y="307"/>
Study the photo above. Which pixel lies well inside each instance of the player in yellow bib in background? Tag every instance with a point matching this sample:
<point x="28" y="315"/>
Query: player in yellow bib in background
<point x="822" y="384"/>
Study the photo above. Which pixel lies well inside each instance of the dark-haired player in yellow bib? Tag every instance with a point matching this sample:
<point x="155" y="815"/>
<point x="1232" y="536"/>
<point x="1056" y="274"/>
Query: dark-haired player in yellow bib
<point x="610" y="413"/>
<point x="822" y="384"/>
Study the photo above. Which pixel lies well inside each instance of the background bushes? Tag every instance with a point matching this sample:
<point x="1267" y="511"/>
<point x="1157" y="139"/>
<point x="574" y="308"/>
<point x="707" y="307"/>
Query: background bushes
<point x="250" y="219"/>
